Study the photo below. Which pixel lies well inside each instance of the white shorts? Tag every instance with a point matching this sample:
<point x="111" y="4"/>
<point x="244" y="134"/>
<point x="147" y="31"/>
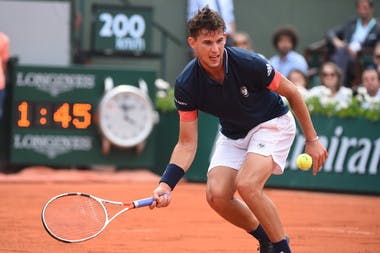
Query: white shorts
<point x="271" y="138"/>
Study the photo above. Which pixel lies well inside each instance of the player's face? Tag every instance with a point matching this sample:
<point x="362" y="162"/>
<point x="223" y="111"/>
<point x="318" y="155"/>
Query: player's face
<point x="209" y="47"/>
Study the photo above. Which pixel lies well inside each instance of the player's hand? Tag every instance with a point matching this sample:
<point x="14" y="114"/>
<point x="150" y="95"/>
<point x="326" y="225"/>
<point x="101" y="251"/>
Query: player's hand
<point x="161" y="196"/>
<point x="319" y="154"/>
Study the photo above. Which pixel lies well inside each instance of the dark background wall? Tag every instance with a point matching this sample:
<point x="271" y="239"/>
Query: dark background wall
<point x="257" y="17"/>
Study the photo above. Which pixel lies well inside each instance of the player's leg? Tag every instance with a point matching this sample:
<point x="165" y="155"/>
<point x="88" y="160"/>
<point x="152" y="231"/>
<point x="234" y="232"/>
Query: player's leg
<point x="220" y="196"/>
<point x="267" y="152"/>
<point x="228" y="156"/>
<point x="250" y="184"/>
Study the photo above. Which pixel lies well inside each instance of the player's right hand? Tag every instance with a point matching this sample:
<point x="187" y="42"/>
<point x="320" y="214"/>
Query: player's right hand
<point x="161" y="196"/>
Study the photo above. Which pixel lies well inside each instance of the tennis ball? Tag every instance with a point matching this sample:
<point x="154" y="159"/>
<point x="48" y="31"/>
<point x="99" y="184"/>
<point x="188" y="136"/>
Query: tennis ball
<point x="304" y="161"/>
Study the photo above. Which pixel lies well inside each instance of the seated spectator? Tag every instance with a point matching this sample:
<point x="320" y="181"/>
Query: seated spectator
<point x="331" y="88"/>
<point x="285" y="40"/>
<point x="242" y="40"/>
<point x="376" y="56"/>
<point x="369" y="91"/>
<point x="357" y="35"/>
<point x="297" y="77"/>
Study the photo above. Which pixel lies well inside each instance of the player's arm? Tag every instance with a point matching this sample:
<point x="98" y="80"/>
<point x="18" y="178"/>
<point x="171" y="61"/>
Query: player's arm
<point x="313" y="147"/>
<point x="182" y="156"/>
<point x="185" y="149"/>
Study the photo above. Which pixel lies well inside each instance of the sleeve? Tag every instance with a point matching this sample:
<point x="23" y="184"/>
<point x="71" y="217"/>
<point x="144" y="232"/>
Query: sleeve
<point x="338" y="31"/>
<point x="264" y="75"/>
<point x="188" y="116"/>
<point x="183" y="99"/>
<point x="275" y="82"/>
<point x="184" y="103"/>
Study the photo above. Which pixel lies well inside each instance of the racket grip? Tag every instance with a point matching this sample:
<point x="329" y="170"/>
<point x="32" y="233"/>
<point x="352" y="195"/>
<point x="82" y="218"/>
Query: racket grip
<point x="144" y="202"/>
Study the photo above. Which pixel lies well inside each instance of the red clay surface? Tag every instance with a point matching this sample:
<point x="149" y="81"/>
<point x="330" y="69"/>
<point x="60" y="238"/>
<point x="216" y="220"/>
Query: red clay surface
<point x="315" y="222"/>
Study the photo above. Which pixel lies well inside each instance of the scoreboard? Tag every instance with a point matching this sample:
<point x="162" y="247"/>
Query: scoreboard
<point x="54" y="116"/>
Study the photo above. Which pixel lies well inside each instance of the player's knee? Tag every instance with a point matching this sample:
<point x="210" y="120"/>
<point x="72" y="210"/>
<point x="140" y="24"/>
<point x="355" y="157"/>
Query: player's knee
<point x="215" y="197"/>
<point x="249" y="190"/>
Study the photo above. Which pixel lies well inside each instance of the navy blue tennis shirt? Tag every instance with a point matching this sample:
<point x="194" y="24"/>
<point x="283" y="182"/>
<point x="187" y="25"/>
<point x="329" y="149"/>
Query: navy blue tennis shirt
<point x="241" y="102"/>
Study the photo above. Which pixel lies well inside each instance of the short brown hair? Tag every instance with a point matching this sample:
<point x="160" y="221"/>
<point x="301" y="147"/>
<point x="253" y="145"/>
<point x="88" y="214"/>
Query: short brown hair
<point x="286" y="31"/>
<point x="205" y="18"/>
<point x="370" y="2"/>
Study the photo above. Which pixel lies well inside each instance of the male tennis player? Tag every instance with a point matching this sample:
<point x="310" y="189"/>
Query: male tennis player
<point x="257" y="129"/>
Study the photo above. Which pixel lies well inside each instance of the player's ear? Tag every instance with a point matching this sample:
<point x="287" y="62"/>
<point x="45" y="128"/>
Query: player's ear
<point x="191" y="41"/>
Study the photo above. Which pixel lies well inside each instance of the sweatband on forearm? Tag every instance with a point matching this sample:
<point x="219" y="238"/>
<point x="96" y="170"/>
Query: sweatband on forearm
<point x="172" y="175"/>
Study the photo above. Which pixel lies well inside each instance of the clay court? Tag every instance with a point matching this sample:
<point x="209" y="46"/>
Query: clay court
<point x="316" y="222"/>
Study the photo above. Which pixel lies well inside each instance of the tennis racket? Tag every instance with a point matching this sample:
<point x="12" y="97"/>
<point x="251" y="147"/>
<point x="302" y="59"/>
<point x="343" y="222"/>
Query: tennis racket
<point x="77" y="217"/>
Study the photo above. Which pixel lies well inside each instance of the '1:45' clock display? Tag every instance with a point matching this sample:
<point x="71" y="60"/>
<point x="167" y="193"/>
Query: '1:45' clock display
<point x="54" y="115"/>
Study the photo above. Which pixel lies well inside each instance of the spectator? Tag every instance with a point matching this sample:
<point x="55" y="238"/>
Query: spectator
<point x="357" y="35"/>
<point x="4" y="56"/>
<point x="376" y="56"/>
<point x="285" y="40"/>
<point x="224" y="7"/>
<point x="243" y="40"/>
<point x="370" y="89"/>
<point x="331" y="88"/>
<point x="299" y="78"/>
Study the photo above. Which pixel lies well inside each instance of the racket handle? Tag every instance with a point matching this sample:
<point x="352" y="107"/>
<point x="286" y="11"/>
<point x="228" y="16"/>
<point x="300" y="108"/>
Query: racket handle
<point x="144" y="202"/>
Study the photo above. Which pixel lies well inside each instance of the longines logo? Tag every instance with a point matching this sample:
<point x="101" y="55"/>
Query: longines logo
<point x="52" y="145"/>
<point x="55" y="83"/>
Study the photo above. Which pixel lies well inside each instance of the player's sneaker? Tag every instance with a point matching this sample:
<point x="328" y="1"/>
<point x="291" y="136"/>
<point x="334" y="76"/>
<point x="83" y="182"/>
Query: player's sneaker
<point x="266" y="248"/>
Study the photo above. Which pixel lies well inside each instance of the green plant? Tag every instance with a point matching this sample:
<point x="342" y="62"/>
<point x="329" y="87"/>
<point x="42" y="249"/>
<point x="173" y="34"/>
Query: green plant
<point x="357" y="108"/>
<point x="165" y="100"/>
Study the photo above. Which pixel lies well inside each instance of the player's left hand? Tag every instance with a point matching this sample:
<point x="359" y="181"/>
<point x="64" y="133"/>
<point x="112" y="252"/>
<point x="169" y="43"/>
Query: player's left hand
<point x="319" y="154"/>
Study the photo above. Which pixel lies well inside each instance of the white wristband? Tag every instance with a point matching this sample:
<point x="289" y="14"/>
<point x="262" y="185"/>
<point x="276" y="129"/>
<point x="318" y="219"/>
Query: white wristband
<point x="314" y="139"/>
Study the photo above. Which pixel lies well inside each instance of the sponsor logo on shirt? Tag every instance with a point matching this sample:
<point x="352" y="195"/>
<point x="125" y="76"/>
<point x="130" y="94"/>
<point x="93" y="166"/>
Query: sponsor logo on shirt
<point x="269" y="69"/>
<point x="244" y="91"/>
<point x="179" y="102"/>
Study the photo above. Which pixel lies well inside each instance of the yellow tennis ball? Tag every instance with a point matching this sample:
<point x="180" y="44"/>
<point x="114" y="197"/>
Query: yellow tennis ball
<point x="304" y="161"/>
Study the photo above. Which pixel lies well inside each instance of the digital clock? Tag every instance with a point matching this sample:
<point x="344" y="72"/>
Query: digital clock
<point x="56" y="115"/>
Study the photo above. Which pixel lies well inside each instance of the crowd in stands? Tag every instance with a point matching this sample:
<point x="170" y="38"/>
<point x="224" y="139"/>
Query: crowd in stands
<point x="351" y="68"/>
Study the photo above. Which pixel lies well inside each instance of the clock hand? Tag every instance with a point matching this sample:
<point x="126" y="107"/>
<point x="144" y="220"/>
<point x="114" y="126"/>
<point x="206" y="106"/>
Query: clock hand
<point x="130" y="120"/>
<point x="125" y="107"/>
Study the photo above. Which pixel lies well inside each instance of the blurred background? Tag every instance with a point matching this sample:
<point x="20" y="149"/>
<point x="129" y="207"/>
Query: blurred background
<point x="68" y="54"/>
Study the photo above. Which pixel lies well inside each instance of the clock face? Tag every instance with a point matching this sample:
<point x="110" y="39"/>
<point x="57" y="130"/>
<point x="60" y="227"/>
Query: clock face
<point x="126" y="116"/>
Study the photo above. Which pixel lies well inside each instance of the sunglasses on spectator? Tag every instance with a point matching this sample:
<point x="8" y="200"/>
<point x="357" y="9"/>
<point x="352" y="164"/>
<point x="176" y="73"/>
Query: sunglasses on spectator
<point x="377" y="56"/>
<point x="325" y="74"/>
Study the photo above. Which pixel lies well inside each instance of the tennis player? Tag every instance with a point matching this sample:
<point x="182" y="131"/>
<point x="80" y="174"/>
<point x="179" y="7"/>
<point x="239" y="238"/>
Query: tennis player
<point x="257" y="130"/>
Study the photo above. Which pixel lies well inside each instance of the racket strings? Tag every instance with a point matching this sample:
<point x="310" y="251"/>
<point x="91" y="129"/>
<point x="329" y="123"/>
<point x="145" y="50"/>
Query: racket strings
<point x="75" y="217"/>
